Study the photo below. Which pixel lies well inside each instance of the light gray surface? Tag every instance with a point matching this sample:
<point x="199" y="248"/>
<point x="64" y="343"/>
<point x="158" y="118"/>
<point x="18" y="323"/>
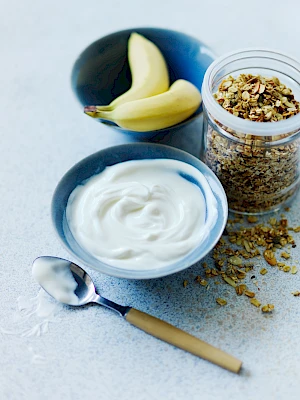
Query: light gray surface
<point x="91" y="351"/>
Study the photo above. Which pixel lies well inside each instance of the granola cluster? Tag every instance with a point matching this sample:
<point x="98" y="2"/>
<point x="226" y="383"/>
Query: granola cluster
<point x="257" y="174"/>
<point x="257" y="98"/>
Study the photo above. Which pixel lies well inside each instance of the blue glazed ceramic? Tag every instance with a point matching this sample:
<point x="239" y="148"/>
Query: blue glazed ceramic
<point x="101" y="73"/>
<point x="95" y="164"/>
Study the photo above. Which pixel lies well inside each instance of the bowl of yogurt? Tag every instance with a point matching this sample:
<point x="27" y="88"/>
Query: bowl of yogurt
<point x="139" y="211"/>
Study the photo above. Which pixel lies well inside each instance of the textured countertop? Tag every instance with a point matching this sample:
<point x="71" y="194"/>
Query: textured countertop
<point x="91" y="352"/>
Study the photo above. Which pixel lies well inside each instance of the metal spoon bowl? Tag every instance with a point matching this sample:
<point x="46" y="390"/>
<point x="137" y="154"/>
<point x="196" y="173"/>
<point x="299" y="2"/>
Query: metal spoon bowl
<point x="86" y="294"/>
<point x="86" y="291"/>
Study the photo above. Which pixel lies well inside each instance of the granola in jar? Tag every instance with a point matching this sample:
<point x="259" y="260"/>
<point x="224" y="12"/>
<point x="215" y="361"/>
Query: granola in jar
<point x="255" y="179"/>
<point x="259" y="172"/>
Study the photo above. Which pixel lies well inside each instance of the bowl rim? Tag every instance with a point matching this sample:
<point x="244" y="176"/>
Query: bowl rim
<point x="117" y="272"/>
<point x="192" y="118"/>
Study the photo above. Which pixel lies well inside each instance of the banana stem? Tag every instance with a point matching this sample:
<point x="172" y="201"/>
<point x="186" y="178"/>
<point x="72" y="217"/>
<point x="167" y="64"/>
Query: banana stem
<point x="98" y="111"/>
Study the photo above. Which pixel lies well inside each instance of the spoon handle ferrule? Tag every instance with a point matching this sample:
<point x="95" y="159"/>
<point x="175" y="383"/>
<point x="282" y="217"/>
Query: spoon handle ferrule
<point x="121" y="310"/>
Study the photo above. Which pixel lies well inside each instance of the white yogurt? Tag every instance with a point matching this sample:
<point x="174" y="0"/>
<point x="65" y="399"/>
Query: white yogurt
<point x="55" y="276"/>
<point x="141" y="214"/>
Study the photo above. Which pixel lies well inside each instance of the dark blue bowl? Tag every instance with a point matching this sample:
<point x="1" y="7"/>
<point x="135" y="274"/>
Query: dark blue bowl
<point x="96" y="163"/>
<point x="102" y="73"/>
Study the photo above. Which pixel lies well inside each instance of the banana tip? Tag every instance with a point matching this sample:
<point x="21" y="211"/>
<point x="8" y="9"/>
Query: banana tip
<point x="89" y="109"/>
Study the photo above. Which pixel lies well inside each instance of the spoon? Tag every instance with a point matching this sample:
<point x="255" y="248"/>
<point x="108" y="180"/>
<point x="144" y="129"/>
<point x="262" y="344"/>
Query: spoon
<point x="55" y="283"/>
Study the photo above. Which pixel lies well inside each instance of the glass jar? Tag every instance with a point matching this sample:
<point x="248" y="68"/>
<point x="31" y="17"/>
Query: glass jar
<point x="256" y="162"/>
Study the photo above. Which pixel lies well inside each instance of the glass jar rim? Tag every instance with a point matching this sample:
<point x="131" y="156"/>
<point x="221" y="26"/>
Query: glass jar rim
<point x="290" y="125"/>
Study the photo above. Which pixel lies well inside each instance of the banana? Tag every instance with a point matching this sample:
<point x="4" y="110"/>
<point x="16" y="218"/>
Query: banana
<point x="156" y="112"/>
<point x="149" y="71"/>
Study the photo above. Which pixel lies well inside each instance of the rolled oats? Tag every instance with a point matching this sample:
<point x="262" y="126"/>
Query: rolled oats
<point x="255" y="302"/>
<point x="221" y="302"/>
<point x="294" y="270"/>
<point x="235" y="260"/>
<point x="230" y="281"/>
<point x="240" y="289"/>
<point x="267" y="308"/>
<point x="270" y="257"/>
<point x="202" y="282"/>
<point x="285" y="255"/>
<point x="248" y="293"/>
<point x="263" y="271"/>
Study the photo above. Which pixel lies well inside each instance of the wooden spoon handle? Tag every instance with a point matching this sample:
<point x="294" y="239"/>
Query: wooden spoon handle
<point x="170" y="334"/>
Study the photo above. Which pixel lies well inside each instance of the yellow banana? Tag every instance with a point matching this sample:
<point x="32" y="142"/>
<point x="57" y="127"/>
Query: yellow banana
<point x="149" y="71"/>
<point x="156" y="112"/>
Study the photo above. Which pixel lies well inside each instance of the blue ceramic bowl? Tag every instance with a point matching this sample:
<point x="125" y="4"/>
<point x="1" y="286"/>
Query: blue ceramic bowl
<point x="102" y="73"/>
<point x="96" y="163"/>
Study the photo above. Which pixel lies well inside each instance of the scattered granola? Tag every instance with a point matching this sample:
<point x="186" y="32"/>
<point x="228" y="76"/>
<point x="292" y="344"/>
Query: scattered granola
<point x="294" y="270"/>
<point x="230" y="281"/>
<point x="202" y="282"/>
<point x="267" y="308"/>
<point x="239" y="247"/>
<point x="221" y="302"/>
<point x="263" y="271"/>
<point x="257" y="173"/>
<point x="185" y="283"/>
<point x="270" y="257"/>
<point x="255" y="302"/>
<point x="240" y="289"/>
<point x="235" y="260"/>
<point x="297" y="293"/>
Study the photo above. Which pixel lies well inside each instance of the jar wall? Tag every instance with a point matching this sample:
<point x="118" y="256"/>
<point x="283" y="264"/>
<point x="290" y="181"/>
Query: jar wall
<point x="258" y="176"/>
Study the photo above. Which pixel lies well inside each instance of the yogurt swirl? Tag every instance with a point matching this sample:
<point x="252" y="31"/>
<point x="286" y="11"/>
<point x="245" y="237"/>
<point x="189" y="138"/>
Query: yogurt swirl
<point x="141" y="214"/>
